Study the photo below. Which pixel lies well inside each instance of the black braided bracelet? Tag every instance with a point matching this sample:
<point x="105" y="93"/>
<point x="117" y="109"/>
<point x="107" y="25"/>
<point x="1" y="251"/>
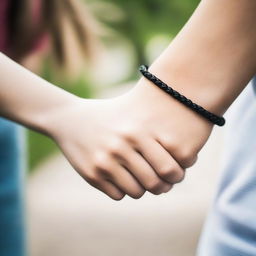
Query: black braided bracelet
<point x="176" y="95"/>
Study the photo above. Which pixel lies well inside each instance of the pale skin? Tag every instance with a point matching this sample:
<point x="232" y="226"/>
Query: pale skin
<point x="144" y="140"/>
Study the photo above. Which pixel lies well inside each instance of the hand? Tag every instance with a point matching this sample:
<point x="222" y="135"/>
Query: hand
<point x="177" y="128"/>
<point x="112" y="145"/>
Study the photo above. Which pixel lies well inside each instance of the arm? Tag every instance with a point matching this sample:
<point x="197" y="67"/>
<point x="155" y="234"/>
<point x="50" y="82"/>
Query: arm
<point x="213" y="57"/>
<point x="26" y="98"/>
<point x="210" y="61"/>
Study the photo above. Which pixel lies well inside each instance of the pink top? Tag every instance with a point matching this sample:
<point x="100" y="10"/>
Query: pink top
<point x="4" y="5"/>
<point x="4" y="10"/>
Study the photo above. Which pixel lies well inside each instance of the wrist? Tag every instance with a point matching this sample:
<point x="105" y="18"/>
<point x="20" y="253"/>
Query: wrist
<point x="211" y="117"/>
<point x="45" y="119"/>
<point x="207" y="91"/>
<point x="177" y="111"/>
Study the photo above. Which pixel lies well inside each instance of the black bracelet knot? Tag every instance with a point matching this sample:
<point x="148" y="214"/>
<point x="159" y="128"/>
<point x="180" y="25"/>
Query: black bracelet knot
<point x="218" y="120"/>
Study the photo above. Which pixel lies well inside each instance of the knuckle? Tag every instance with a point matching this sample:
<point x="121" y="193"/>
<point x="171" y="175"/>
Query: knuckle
<point x="101" y="161"/>
<point x="172" y="175"/>
<point x="154" y="186"/>
<point x="178" y="177"/>
<point x="168" y="143"/>
<point x="115" y="147"/>
<point x="186" y="157"/>
<point x="91" y="177"/>
<point x="167" y="172"/>
<point x="130" y="134"/>
<point x="104" y="172"/>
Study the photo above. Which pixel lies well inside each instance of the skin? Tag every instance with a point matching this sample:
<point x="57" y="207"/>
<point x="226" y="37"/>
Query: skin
<point x="144" y="140"/>
<point x="101" y="143"/>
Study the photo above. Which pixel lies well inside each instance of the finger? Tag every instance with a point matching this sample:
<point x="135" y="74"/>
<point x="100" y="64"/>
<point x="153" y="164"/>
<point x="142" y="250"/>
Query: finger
<point x="161" y="160"/>
<point x="185" y="156"/>
<point x="144" y="173"/>
<point x="109" y="189"/>
<point x="126" y="182"/>
<point x="91" y="175"/>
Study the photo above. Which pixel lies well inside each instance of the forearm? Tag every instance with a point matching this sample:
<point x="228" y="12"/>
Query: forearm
<point x="214" y="56"/>
<point x="27" y="98"/>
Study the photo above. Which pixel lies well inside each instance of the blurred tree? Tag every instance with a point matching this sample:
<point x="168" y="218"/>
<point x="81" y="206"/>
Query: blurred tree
<point x="146" y="18"/>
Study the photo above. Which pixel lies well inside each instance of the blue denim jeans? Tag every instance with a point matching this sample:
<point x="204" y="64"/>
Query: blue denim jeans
<point x="230" y="229"/>
<point x="11" y="193"/>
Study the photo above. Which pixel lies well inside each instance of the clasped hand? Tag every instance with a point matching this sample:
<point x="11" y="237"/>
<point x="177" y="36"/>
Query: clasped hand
<point x="140" y="141"/>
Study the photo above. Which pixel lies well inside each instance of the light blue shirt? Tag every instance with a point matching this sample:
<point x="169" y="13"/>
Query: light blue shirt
<point x="230" y="229"/>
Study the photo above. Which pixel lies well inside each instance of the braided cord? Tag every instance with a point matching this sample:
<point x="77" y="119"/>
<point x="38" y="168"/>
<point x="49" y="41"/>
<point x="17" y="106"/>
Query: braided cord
<point x="218" y="120"/>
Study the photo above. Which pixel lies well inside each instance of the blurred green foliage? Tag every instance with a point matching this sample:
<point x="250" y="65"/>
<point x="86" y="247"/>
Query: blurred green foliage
<point x="135" y="21"/>
<point x="144" y="19"/>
